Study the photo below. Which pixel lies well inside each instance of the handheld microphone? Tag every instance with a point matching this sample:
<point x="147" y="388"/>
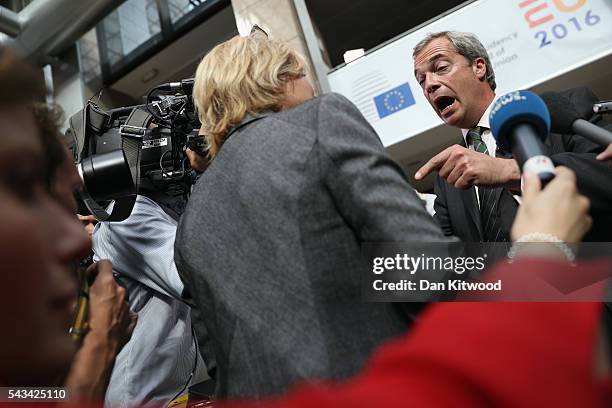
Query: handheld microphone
<point x="565" y="119"/>
<point x="185" y="86"/>
<point x="520" y="122"/>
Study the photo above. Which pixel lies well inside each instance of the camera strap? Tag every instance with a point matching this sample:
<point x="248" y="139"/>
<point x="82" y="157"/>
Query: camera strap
<point x="131" y="142"/>
<point x="131" y="133"/>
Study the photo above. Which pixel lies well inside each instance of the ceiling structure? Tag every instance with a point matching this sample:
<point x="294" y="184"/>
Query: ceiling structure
<point x="180" y="59"/>
<point x="61" y="21"/>
<point x="351" y="24"/>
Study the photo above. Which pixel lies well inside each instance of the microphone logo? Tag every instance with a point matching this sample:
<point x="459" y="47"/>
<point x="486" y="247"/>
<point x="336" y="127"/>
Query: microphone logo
<point x="506" y="99"/>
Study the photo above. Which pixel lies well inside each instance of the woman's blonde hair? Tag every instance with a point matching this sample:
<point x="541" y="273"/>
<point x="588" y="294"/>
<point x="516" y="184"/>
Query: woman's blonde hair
<point x="242" y="75"/>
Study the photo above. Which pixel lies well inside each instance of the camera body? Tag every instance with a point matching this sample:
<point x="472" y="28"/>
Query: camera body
<point x="117" y="149"/>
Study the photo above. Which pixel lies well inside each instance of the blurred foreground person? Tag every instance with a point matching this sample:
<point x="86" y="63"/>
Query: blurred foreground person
<point x="37" y="297"/>
<point x="270" y="242"/>
<point x="40" y="243"/>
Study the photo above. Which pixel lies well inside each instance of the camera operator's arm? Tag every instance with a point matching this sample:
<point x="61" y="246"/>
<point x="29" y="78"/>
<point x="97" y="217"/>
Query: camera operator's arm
<point x="142" y="247"/>
<point x="110" y="326"/>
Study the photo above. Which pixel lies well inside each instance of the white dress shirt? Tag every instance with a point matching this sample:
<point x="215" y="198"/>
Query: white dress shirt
<point x="157" y="361"/>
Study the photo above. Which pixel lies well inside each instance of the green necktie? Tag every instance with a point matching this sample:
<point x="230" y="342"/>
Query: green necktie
<point x="474" y="137"/>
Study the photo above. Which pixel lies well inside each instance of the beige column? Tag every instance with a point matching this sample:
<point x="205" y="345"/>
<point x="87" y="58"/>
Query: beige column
<point x="276" y="17"/>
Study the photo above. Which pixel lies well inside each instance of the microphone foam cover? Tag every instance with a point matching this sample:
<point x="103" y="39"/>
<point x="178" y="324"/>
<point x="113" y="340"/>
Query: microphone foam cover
<point x="516" y="108"/>
<point x="563" y="113"/>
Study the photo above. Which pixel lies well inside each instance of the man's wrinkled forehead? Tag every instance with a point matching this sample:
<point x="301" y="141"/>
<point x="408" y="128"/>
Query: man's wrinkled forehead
<point x="434" y="50"/>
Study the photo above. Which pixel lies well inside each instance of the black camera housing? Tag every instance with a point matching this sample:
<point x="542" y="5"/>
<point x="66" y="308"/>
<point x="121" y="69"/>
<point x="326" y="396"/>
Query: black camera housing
<point x="116" y="150"/>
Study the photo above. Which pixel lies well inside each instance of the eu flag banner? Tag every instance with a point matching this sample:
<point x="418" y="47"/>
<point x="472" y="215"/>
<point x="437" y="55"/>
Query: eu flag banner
<point x="394" y="100"/>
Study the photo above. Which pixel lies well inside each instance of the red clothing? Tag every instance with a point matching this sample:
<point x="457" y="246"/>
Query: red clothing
<point x="481" y="355"/>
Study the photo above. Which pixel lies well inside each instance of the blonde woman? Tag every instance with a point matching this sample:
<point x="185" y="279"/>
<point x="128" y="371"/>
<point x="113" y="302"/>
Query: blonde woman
<point x="269" y="245"/>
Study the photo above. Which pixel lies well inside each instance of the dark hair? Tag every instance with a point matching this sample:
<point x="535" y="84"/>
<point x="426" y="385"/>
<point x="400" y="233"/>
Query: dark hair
<point x="20" y="82"/>
<point x="49" y="119"/>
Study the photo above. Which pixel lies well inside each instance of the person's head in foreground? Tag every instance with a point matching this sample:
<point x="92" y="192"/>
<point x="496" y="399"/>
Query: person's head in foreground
<point x="63" y="179"/>
<point x="247" y="75"/>
<point x="456" y="76"/>
<point x="39" y="240"/>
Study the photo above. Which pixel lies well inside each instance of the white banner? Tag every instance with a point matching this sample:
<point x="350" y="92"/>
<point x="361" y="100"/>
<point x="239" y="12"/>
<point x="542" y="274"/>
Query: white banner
<point x="529" y="42"/>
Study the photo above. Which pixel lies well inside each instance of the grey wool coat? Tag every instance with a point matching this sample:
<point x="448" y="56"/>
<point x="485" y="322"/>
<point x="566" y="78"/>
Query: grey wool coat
<point x="269" y="247"/>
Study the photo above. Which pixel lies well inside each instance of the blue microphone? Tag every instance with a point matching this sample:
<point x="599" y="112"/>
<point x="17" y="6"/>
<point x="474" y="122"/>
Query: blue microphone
<point x="520" y="122"/>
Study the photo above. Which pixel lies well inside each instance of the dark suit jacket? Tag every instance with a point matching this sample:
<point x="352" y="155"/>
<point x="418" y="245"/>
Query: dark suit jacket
<point x="457" y="210"/>
<point x="270" y="246"/>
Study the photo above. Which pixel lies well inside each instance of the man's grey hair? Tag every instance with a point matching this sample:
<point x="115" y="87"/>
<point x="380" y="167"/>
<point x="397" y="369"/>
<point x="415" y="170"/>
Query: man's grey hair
<point x="466" y="44"/>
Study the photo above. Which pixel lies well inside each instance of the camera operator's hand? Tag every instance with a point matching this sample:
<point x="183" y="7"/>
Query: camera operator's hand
<point x="606" y="155"/>
<point x="197" y="161"/>
<point x="110" y="325"/>
<point x="558" y="209"/>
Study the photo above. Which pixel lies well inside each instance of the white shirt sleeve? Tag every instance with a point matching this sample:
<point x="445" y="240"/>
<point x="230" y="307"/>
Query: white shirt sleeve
<point x="142" y="247"/>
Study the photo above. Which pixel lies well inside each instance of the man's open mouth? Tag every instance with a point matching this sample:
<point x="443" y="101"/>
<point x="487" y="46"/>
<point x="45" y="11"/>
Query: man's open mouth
<point x="444" y="103"/>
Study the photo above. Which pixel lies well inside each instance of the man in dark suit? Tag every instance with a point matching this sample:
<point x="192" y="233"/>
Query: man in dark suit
<point x="478" y="186"/>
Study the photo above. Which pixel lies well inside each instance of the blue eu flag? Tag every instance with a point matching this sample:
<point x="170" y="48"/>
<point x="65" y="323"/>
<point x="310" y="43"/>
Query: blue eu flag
<point x="394" y="100"/>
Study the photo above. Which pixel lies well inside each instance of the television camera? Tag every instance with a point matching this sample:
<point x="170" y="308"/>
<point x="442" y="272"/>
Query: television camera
<point x="116" y="150"/>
